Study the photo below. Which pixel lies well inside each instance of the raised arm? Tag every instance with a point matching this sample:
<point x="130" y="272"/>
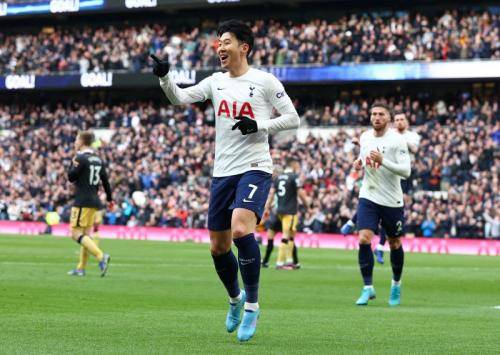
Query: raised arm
<point x="176" y="95"/>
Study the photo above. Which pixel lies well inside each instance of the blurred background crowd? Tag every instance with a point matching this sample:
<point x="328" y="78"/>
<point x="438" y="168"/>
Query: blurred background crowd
<point x="167" y="152"/>
<point x="400" y="36"/>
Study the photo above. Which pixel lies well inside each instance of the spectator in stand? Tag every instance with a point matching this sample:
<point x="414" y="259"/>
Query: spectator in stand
<point x="428" y="226"/>
<point x="164" y="152"/>
<point x="354" y="38"/>
<point x="492" y="223"/>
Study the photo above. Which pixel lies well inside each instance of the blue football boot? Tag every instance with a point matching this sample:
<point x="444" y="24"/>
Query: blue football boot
<point x="76" y="272"/>
<point x="395" y="296"/>
<point x="248" y="325"/>
<point x="104" y="264"/>
<point x="233" y="317"/>
<point x="347" y="228"/>
<point x="368" y="293"/>
<point x="379" y="254"/>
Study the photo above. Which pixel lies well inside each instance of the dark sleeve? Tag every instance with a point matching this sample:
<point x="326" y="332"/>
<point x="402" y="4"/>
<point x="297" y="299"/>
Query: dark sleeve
<point x="105" y="184"/>
<point x="75" y="171"/>
<point x="296" y="181"/>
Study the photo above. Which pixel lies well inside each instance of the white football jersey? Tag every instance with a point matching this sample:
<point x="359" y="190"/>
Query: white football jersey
<point x="253" y="94"/>
<point x="412" y="138"/>
<point x="380" y="185"/>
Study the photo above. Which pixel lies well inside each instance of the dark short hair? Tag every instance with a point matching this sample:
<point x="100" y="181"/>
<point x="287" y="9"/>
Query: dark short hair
<point x="292" y="159"/>
<point x="382" y="105"/>
<point x="241" y="31"/>
<point x="86" y="137"/>
<point x="398" y="112"/>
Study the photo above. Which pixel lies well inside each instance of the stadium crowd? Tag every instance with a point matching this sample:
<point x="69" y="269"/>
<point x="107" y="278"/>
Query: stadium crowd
<point x="168" y="152"/>
<point x="17" y="2"/>
<point x="353" y="38"/>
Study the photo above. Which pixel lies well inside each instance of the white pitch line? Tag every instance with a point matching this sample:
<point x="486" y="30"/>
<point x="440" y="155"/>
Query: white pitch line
<point x="497" y="307"/>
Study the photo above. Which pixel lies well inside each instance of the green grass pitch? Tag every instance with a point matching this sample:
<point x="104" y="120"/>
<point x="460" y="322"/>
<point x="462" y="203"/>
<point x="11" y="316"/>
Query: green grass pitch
<point x="165" y="298"/>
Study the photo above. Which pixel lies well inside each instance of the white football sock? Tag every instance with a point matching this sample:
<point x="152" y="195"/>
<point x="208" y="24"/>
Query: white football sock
<point x="234" y="300"/>
<point x="251" y="306"/>
<point x="396" y="283"/>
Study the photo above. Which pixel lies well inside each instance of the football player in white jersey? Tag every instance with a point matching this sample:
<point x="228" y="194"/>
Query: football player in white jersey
<point x="401" y="126"/>
<point x="385" y="159"/>
<point x="243" y="100"/>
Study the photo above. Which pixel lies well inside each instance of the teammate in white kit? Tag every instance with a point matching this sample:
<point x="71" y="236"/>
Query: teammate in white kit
<point x="243" y="100"/>
<point x="385" y="158"/>
<point x="401" y="126"/>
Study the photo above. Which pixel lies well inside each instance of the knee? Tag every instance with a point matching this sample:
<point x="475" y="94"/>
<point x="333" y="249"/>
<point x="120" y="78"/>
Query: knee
<point x="217" y="249"/>
<point x="76" y="234"/>
<point x="239" y="230"/>
<point x="365" y="237"/>
<point x="394" y="243"/>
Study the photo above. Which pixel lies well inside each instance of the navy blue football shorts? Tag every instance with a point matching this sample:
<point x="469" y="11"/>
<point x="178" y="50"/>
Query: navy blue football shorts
<point x="248" y="190"/>
<point x="370" y="215"/>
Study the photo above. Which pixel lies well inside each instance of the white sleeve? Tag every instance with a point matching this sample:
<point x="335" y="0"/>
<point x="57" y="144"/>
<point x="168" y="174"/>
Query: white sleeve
<point x="177" y="96"/>
<point x="402" y="165"/>
<point x="289" y="118"/>
<point x="414" y="140"/>
<point x="488" y="218"/>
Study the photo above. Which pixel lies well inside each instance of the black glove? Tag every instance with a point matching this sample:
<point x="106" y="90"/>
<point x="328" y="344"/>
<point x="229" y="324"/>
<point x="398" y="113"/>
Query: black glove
<point x="160" y="67"/>
<point x="245" y="124"/>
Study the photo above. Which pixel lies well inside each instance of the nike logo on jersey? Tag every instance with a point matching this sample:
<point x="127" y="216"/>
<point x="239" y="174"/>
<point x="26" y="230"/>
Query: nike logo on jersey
<point x="220" y="88"/>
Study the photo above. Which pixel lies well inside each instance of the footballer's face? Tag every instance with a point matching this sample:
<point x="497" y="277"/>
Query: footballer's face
<point x="379" y="118"/>
<point x="400" y="122"/>
<point x="78" y="143"/>
<point x="295" y="165"/>
<point x="231" y="51"/>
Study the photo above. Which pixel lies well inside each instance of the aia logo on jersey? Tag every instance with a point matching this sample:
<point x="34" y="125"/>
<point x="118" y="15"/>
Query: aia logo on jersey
<point x="244" y="110"/>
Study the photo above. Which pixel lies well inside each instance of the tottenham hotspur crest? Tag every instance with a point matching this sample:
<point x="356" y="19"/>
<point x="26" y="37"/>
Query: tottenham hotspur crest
<point x="252" y="88"/>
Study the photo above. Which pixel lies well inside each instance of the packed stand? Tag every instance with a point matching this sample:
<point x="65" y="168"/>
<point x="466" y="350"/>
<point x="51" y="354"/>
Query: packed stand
<point x="21" y="2"/>
<point x="354" y="38"/>
<point x="168" y="153"/>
